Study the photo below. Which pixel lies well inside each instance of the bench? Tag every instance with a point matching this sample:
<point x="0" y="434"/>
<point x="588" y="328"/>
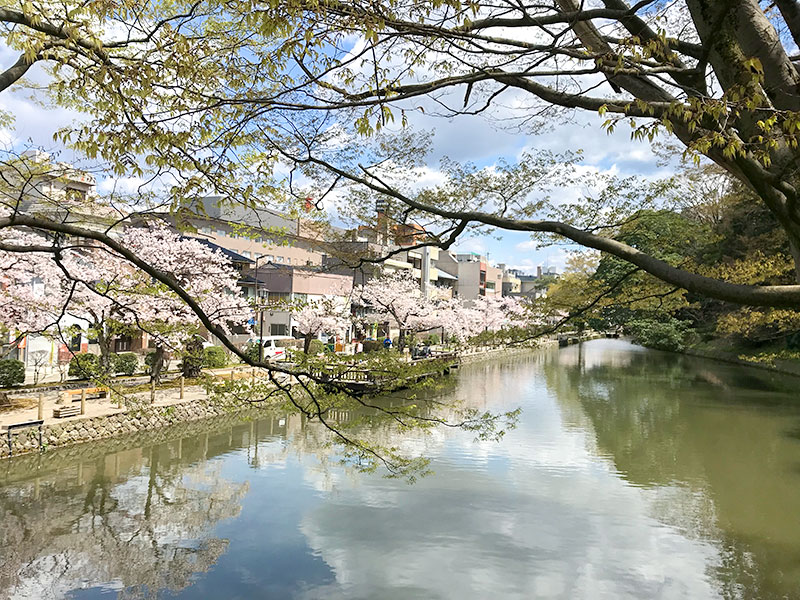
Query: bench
<point x="59" y="412"/>
<point x="9" y="428"/>
<point x="91" y="393"/>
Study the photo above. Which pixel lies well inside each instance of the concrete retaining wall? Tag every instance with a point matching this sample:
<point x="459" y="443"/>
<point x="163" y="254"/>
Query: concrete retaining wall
<point x="98" y="428"/>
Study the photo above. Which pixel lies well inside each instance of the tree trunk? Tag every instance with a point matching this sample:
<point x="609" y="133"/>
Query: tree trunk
<point x="193" y="359"/>
<point x="155" y="371"/>
<point x="4" y="400"/>
<point x="104" y="341"/>
<point x="307" y="342"/>
<point x="790" y="9"/>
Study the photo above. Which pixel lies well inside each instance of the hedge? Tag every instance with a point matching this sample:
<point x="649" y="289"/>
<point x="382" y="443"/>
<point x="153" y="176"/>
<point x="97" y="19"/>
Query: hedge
<point x="84" y="365"/>
<point x="126" y="363"/>
<point x="12" y="372"/>
<point x="214" y="357"/>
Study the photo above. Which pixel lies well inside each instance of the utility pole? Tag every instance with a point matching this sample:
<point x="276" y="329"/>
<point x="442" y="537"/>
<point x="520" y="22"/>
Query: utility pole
<point x="425" y="271"/>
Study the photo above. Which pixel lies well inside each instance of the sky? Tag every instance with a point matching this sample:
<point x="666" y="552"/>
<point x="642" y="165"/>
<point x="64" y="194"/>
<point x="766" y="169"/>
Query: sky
<point x="473" y="139"/>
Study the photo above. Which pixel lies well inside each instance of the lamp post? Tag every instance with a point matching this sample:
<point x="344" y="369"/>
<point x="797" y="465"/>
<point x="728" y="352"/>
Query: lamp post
<point x="260" y="316"/>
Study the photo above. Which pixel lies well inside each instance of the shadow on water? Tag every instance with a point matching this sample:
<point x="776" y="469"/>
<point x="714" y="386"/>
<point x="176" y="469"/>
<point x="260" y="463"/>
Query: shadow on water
<point x="723" y="431"/>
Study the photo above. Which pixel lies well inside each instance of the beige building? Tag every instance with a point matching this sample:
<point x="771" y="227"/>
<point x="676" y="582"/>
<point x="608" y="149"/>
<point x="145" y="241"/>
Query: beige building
<point x="476" y="277"/>
<point x="511" y="283"/>
<point x="273" y="246"/>
<point x="275" y="284"/>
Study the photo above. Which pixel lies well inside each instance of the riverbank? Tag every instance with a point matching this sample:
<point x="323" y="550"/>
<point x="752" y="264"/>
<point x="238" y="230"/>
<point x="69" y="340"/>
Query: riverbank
<point x="785" y="367"/>
<point x="104" y="419"/>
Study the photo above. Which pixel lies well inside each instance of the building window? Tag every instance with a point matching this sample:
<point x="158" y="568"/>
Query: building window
<point x="246" y="254"/>
<point x="278" y="297"/>
<point x="123" y="343"/>
<point x="75" y="342"/>
<point x="221" y="232"/>
<point x="301" y="297"/>
<point x="277" y="329"/>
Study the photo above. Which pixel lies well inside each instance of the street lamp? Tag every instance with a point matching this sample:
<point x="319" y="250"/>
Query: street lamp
<point x="260" y="315"/>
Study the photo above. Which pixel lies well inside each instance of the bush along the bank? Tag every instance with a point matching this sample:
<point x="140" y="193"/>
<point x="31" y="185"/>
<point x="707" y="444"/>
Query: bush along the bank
<point x="669" y="334"/>
<point x="372" y="345"/>
<point x="84" y="365"/>
<point x="251" y="351"/>
<point x="126" y="363"/>
<point x="12" y="372"/>
<point x="214" y="357"/>
<point x="316" y="347"/>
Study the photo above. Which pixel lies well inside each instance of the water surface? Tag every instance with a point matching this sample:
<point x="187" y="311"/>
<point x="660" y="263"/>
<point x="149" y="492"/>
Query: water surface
<point x="632" y="474"/>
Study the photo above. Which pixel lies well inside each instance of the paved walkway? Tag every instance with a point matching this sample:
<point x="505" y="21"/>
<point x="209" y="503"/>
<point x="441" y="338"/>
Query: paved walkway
<point x="94" y="408"/>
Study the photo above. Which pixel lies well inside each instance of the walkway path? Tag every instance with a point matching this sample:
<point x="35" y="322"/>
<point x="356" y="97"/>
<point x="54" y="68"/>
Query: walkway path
<point x="94" y="408"/>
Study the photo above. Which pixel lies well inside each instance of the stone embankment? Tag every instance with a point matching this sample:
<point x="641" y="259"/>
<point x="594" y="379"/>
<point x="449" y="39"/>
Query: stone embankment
<point x="101" y="427"/>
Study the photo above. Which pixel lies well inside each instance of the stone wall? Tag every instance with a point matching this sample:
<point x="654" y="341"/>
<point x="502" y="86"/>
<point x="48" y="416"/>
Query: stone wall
<point x="55" y="459"/>
<point x="98" y="428"/>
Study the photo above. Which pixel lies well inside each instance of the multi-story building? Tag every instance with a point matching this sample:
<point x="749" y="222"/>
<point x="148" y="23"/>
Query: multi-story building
<point x="255" y="233"/>
<point x="272" y="285"/>
<point x="476" y="277"/>
<point x="512" y="285"/>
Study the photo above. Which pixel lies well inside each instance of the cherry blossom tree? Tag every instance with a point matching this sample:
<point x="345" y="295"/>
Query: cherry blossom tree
<point x="24" y="307"/>
<point x="474" y="317"/>
<point x="324" y="315"/>
<point x="96" y="286"/>
<point x="397" y="297"/>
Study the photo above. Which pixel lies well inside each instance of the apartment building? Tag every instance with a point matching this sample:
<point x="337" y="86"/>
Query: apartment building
<point x="512" y="285"/>
<point x="476" y="277"/>
<point x="273" y="285"/>
<point x="255" y="233"/>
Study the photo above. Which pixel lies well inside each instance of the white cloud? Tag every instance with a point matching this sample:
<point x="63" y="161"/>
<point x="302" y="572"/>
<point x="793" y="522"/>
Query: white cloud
<point x="527" y="246"/>
<point x="471" y="245"/>
<point x="121" y="185"/>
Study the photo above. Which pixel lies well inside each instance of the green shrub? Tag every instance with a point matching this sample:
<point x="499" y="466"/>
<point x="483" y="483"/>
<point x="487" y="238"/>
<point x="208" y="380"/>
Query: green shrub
<point x="316" y="347"/>
<point x="251" y="350"/>
<point x="126" y="363"/>
<point x="84" y="365"/>
<point x="12" y="372"/>
<point x="372" y="345"/>
<point x="214" y="357"/>
<point x="672" y="335"/>
<point x="432" y="339"/>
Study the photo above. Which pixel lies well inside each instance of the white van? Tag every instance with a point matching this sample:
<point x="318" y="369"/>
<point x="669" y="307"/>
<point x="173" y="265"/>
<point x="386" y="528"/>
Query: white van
<point x="272" y="351"/>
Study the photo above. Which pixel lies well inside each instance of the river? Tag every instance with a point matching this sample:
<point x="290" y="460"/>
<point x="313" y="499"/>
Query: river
<point x="632" y="474"/>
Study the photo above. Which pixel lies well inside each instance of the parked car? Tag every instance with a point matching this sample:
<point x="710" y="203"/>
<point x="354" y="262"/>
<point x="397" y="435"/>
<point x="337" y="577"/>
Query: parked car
<point x="272" y="350"/>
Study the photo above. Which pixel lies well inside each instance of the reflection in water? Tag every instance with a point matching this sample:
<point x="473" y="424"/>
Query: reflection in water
<point x="720" y="433"/>
<point x="136" y="520"/>
<point x="633" y="474"/>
